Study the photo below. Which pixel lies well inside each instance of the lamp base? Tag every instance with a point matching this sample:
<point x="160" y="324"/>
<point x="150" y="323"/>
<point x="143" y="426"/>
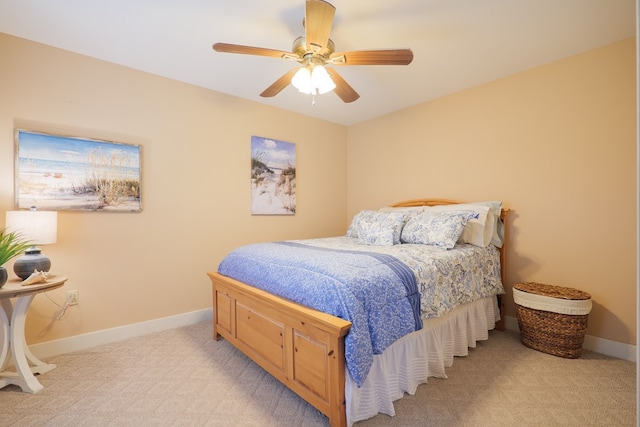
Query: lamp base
<point x="30" y="261"/>
<point x="3" y="276"/>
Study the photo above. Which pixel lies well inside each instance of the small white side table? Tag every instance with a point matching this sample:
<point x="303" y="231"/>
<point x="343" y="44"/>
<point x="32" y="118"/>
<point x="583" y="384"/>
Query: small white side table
<point x="13" y="342"/>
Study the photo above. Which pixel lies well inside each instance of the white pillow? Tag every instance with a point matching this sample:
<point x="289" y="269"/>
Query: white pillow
<point x="497" y="237"/>
<point x="478" y="231"/>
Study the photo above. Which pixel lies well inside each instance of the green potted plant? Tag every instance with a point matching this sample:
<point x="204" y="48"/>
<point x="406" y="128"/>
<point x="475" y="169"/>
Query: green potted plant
<point x="11" y="245"/>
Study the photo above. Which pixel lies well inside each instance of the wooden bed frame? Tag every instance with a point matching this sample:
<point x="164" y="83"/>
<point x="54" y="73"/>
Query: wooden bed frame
<point x="301" y="347"/>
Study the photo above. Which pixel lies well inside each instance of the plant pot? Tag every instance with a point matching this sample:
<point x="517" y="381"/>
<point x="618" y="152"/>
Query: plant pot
<point x="4" y="275"/>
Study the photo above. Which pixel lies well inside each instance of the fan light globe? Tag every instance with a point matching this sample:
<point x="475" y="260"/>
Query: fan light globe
<point x="302" y="80"/>
<point x="321" y="80"/>
<point x="312" y="81"/>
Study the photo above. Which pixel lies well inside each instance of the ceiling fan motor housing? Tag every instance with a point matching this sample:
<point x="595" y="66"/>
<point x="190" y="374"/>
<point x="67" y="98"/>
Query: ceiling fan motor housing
<point x="300" y="48"/>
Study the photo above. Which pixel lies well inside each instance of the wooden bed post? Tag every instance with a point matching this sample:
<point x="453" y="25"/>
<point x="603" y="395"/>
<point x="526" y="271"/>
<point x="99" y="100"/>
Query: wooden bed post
<point x="500" y="325"/>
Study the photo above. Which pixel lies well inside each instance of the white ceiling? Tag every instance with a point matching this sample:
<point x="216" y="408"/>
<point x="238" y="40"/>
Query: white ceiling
<point x="457" y="44"/>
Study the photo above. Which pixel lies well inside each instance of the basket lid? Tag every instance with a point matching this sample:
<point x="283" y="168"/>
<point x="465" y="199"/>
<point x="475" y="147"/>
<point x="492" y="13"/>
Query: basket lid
<point x="552" y="291"/>
<point x="574" y="307"/>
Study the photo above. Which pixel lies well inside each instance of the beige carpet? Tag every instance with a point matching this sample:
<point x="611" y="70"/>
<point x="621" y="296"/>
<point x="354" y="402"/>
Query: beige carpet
<point x="182" y="377"/>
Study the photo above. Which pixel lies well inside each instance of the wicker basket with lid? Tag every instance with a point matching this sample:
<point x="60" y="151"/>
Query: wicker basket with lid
<point x="552" y="319"/>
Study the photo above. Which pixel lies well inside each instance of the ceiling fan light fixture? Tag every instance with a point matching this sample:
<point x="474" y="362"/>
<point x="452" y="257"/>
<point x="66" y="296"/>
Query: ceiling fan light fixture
<point x="312" y="81"/>
<point x="313" y="51"/>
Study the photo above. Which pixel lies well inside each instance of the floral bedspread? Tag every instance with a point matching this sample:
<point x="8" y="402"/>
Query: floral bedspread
<point x="384" y="291"/>
<point x="446" y="278"/>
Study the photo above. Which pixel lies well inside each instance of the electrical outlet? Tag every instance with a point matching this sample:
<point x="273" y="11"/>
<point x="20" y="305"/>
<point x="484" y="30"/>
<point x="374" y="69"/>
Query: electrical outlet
<point x="73" y="297"/>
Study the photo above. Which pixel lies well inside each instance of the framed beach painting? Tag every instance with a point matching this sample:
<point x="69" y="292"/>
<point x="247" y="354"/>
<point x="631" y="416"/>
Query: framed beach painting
<point x="273" y="177"/>
<point x="54" y="172"/>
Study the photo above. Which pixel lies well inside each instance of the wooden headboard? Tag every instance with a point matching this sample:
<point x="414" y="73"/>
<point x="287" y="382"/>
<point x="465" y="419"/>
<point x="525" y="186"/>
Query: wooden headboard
<point x="436" y="202"/>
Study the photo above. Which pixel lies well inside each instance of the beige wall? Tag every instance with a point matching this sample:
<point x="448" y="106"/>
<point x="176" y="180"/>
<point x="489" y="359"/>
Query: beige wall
<point x="557" y="144"/>
<point x="196" y="190"/>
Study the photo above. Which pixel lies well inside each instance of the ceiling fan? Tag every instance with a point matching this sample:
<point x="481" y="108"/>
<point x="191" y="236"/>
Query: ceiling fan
<point x="314" y="51"/>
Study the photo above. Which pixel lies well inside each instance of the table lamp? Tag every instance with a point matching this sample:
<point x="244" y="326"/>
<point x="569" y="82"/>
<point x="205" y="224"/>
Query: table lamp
<point x="37" y="227"/>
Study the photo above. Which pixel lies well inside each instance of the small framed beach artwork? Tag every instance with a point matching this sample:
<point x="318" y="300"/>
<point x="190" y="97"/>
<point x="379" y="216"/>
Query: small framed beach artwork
<point x="273" y="177"/>
<point x="54" y="172"/>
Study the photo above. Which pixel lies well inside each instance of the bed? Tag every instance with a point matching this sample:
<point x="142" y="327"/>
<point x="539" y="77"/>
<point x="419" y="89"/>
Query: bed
<point x="330" y="350"/>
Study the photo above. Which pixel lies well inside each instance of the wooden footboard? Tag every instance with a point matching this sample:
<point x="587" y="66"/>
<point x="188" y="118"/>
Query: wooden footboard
<point x="301" y="347"/>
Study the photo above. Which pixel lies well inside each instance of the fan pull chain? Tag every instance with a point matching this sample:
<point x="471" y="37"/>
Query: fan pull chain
<point x="313" y="99"/>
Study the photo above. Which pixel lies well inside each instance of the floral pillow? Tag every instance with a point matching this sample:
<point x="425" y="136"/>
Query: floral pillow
<point x="352" y="231"/>
<point x="440" y="229"/>
<point x="377" y="228"/>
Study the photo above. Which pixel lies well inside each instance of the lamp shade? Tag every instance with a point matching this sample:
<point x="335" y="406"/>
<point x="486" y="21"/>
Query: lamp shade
<point x="39" y="227"/>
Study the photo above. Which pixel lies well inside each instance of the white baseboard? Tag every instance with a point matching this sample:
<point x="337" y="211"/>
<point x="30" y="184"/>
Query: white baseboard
<point x="599" y="345"/>
<point x="92" y="339"/>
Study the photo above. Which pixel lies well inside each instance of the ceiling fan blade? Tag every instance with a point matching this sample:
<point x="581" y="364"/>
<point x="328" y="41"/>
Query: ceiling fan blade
<point x="343" y="89"/>
<point x="250" y="50"/>
<point x="317" y="24"/>
<point x="373" y="57"/>
<point x="279" y="84"/>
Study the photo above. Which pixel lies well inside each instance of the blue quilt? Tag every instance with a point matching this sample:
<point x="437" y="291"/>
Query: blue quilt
<point x="376" y="292"/>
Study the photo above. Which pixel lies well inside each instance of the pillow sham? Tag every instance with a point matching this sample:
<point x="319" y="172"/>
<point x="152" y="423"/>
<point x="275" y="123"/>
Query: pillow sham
<point x="497" y="236"/>
<point x="437" y="228"/>
<point x="352" y="231"/>
<point x="478" y="231"/>
<point x="377" y="228"/>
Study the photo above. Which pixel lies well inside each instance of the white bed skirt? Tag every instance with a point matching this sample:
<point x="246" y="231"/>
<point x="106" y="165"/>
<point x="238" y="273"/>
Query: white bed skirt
<point x="411" y="360"/>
